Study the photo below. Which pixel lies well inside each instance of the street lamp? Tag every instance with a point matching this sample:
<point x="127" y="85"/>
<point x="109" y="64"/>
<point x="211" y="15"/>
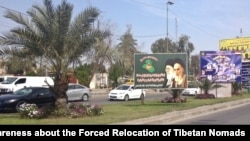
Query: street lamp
<point x="168" y="3"/>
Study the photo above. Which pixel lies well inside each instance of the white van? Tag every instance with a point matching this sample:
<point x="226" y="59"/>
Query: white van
<point x="13" y="83"/>
<point x="4" y="77"/>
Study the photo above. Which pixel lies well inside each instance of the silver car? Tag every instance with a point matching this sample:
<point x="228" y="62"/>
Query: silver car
<point x="78" y="92"/>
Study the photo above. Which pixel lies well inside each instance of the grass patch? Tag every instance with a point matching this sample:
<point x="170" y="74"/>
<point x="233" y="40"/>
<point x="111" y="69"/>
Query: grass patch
<point x="114" y="113"/>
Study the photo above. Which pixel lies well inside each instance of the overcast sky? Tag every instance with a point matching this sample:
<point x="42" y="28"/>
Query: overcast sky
<point x="204" y="21"/>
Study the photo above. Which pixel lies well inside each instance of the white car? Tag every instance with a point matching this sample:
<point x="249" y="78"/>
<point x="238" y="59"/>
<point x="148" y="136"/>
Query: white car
<point x="193" y="89"/>
<point x="126" y="92"/>
<point x="78" y="92"/>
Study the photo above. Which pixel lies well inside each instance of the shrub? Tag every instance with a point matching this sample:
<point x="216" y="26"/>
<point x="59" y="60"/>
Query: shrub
<point x="73" y="110"/>
<point x="95" y="110"/>
<point x="76" y="110"/>
<point x="29" y="111"/>
<point x="174" y="100"/>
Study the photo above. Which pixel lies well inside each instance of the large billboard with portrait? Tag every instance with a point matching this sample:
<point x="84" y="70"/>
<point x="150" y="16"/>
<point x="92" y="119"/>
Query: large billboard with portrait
<point x="221" y="66"/>
<point x="161" y="70"/>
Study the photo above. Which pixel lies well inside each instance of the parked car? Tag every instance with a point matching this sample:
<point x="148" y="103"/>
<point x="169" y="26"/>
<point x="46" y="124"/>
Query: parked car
<point x="78" y="92"/>
<point x="4" y="77"/>
<point x="126" y="92"/>
<point x="193" y="89"/>
<point x="11" y="84"/>
<point x="41" y="96"/>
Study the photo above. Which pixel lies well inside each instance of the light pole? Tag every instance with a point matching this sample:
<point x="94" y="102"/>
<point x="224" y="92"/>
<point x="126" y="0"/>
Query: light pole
<point x="168" y="3"/>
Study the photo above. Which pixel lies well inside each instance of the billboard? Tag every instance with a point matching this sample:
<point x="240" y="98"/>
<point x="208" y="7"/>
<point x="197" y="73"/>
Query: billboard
<point x="221" y="66"/>
<point x="243" y="45"/>
<point x="245" y="74"/>
<point x="235" y="44"/>
<point x="161" y="70"/>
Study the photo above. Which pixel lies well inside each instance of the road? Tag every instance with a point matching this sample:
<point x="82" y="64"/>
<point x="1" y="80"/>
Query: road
<point x="102" y="97"/>
<point x="233" y="116"/>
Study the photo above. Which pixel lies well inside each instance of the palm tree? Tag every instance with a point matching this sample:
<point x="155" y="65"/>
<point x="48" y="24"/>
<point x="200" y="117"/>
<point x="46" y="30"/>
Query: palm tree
<point x="50" y="33"/>
<point x="206" y="85"/>
<point x="176" y="96"/>
<point x="236" y="87"/>
<point x="127" y="48"/>
<point x="101" y="54"/>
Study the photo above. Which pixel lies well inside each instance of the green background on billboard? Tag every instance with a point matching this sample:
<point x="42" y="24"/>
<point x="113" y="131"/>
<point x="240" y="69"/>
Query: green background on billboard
<point x="159" y="66"/>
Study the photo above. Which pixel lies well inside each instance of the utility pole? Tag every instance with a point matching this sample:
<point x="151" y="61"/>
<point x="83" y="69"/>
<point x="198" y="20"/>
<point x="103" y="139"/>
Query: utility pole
<point x="168" y="3"/>
<point x="240" y="32"/>
<point x="176" y="26"/>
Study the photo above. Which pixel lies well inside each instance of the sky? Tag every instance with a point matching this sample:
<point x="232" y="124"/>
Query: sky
<point x="206" y="22"/>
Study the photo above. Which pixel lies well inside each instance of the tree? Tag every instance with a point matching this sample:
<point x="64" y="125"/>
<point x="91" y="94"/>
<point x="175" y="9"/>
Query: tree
<point x="115" y="71"/>
<point x="206" y="85"/>
<point x="160" y="46"/>
<point x="101" y="54"/>
<point x="236" y="88"/>
<point x="83" y="73"/>
<point x="176" y="96"/>
<point x="195" y="65"/>
<point x="183" y="45"/>
<point x="127" y="48"/>
<point x="18" y="62"/>
<point x="50" y="33"/>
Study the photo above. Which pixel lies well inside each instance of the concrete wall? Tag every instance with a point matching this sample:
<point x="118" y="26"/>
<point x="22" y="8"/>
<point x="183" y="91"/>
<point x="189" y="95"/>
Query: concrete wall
<point x="225" y="91"/>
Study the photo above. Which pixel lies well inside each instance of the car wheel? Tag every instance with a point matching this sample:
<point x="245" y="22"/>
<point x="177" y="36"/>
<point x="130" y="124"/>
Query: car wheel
<point x="126" y="98"/>
<point x="19" y="104"/>
<point x="85" y="97"/>
<point x="142" y="96"/>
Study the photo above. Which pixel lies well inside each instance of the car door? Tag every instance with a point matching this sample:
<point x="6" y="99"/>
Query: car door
<point x="134" y="93"/>
<point x="79" y="90"/>
<point x="71" y="92"/>
<point x="42" y="96"/>
<point x="20" y="83"/>
<point x="137" y="93"/>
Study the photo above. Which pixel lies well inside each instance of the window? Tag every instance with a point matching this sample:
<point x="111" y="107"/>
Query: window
<point x="44" y="91"/>
<point x="71" y="87"/>
<point x="1" y="79"/>
<point x="21" y="81"/>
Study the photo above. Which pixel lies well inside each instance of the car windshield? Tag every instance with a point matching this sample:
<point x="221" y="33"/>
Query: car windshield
<point x="193" y="84"/>
<point x="9" y="80"/>
<point x="23" y="91"/>
<point x="122" y="87"/>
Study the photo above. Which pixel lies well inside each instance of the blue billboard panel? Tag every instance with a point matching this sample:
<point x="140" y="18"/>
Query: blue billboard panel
<point x="221" y="66"/>
<point x="245" y="74"/>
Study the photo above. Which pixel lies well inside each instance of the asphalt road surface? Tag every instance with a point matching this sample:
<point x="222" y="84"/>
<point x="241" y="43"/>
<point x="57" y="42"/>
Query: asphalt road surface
<point x="234" y="116"/>
<point x="102" y="97"/>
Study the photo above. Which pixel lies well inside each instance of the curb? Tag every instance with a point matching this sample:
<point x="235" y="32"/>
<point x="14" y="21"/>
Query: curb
<point x="171" y="117"/>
